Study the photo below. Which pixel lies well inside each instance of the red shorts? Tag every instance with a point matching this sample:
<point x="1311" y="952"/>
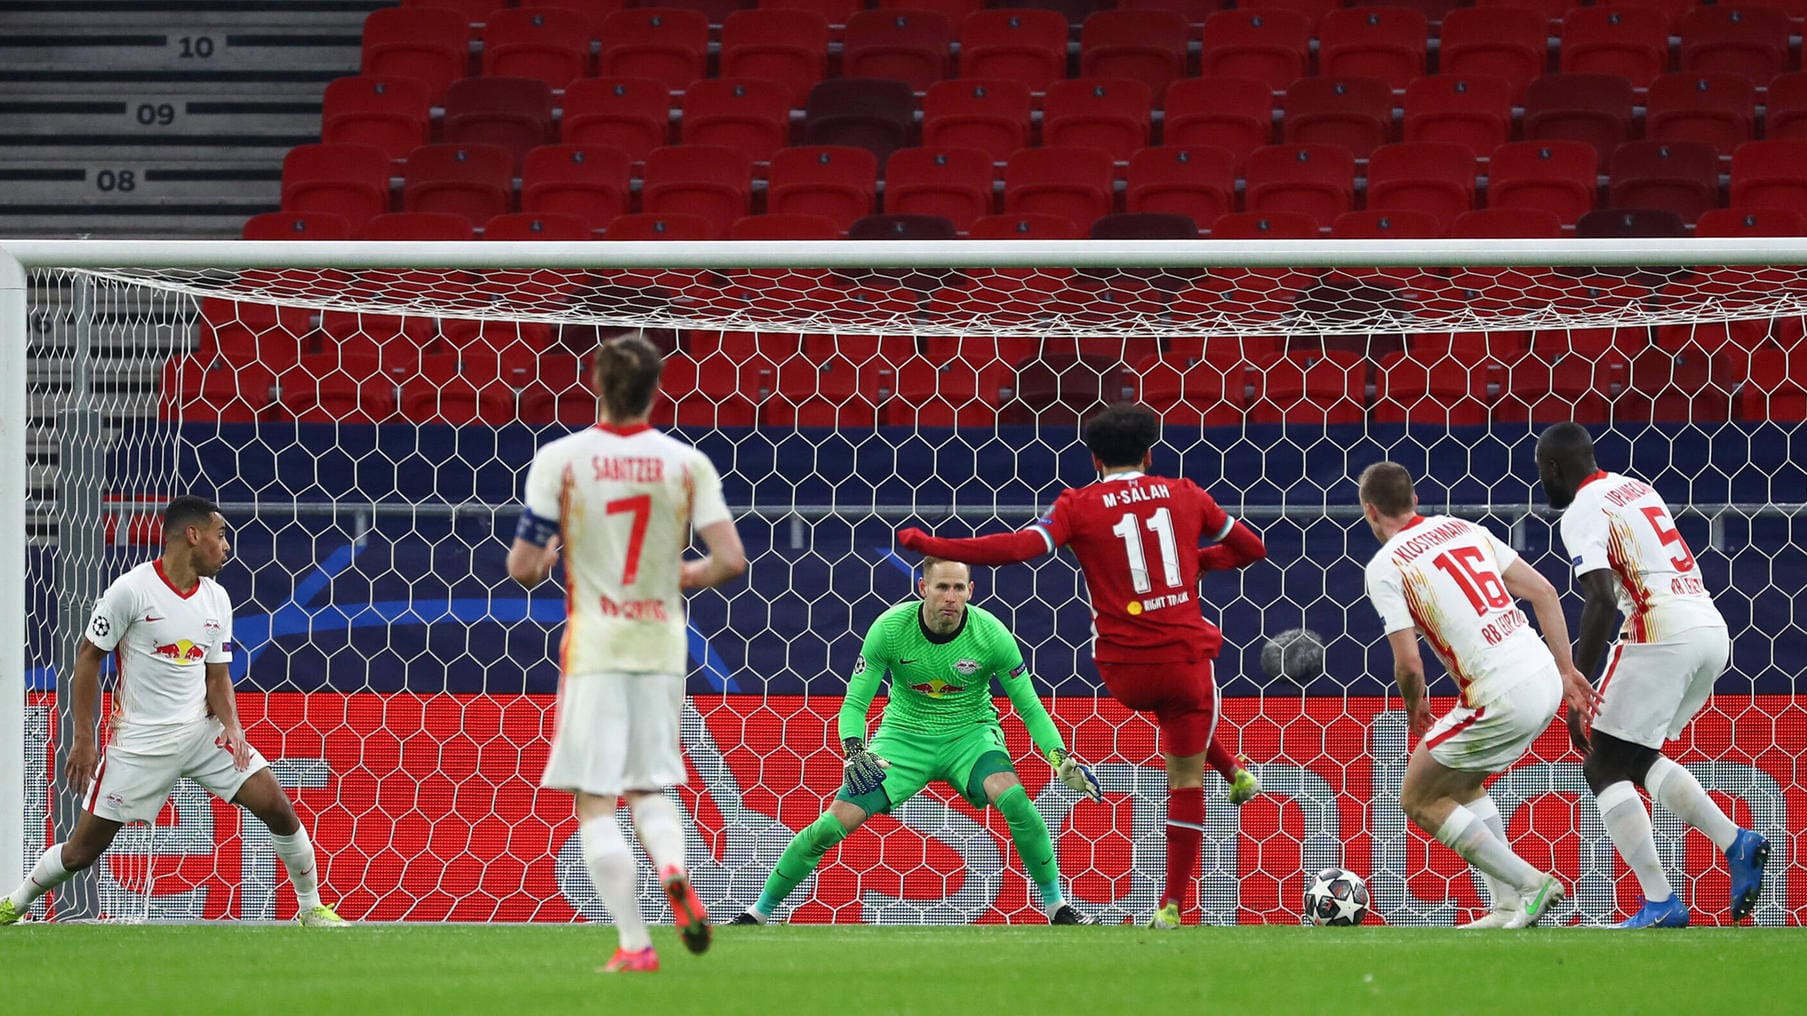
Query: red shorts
<point x="1182" y="697"/>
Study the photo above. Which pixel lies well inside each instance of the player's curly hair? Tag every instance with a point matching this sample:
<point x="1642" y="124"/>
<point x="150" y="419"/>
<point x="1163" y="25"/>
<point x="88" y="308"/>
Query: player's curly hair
<point x="1122" y="434"/>
<point x="627" y="370"/>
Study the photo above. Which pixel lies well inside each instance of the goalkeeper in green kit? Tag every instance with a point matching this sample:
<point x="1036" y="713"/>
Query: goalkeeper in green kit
<point x="940" y="724"/>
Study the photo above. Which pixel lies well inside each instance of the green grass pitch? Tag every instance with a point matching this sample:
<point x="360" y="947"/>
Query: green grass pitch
<point x="381" y="969"/>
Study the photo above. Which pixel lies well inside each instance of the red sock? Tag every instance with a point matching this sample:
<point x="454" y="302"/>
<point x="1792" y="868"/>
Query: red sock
<point x="1222" y="761"/>
<point x="1185" y="838"/>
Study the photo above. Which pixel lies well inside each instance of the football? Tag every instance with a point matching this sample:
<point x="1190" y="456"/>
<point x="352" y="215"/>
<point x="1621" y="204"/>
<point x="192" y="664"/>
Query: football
<point x="1296" y="654"/>
<point x="1336" y="897"/>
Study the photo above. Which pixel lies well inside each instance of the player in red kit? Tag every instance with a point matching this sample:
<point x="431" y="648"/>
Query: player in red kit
<point x="1142" y="541"/>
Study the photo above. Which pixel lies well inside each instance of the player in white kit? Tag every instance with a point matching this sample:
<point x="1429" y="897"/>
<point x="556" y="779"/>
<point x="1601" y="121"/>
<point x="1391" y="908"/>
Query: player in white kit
<point x="169" y="626"/>
<point x="1630" y="558"/>
<point x="619" y="501"/>
<point x="1454" y="583"/>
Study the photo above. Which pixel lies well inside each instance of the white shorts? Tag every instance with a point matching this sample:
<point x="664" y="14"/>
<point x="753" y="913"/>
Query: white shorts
<point x="132" y="783"/>
<point x="1651" y="690"/>
<point x="617" y="732"/>
<point x="1492" y="738"/>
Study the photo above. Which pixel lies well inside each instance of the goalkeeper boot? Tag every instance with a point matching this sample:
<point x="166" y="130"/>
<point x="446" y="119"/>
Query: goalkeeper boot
<point x="686" y="909"/>
<point x="320" y="916"/>
<point x="9" y="914"/>
<point x="747" y="916"/>
<point x="1745" y="857"/>
<point x="642" y="961"/>
<point x="1669" y="913"/>
<point x="1065" y="914"/>
<point x="1245" y="786"/>
<point x="1167" y="918"/>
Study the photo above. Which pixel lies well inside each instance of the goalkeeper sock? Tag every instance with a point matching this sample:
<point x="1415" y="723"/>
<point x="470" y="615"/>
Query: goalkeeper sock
<point x="1676" y="789"/>
<point x="1185" y="838"/>
<point x="1502" y="896"/>
<point x="799" y="859"/>
<point x="1029" y="831"/>
<point x="46" y="875"/>
<point x="1221" y="760"/>
<point x="1626" y="821"/>
<point x="611" y="864"/>
<point x="1467" y="835"/>
<point x="661" y="831"/>
<point x="297" y="854"/>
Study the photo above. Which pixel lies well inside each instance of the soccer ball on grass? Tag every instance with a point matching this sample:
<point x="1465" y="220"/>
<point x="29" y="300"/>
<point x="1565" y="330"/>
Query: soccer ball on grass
<point x="1336" y="897"/>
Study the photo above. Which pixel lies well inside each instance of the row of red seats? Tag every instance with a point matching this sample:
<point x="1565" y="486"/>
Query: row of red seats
<point x="595" y="185"/>
<point x="792" y="48"/>
<point x="1323" y="388"/>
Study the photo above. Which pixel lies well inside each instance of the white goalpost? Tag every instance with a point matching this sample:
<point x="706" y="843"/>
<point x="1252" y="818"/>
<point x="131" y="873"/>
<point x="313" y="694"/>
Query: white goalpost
<point x="364" y="412"/>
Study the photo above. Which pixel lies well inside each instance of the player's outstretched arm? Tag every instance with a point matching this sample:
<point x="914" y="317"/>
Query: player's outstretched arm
<point x="726" y="562"/>
<point x="1525" y="583"/>
<point x="1239" y="548"/>
<point x="1408" y="674"/>
<point x="998" y="548"/>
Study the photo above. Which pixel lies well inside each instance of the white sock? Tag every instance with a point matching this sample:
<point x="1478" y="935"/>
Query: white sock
<point x="1504" y="897"/>
<point x="611" y="864"/>
<point x="1676" y="789"/>
<point x="661" y="831"/>
<point x="1470" y="837"/>
<point x="1622" y="811"/>
<point x="46" y="875"/>
<point x="297" y="853"/>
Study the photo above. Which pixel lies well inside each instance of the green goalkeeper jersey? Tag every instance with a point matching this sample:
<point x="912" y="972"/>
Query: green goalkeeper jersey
<point x="941" y="685"/>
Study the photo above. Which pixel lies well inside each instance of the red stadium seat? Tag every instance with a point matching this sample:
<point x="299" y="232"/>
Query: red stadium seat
<point x="1499" y="223"/>
<point x="785" y="227"/>
<point x="1380" y="224"/>
<point x="875" y="115"/>
<point x="1111" y="115"/>
<point x="991" y="116"/>
<point x="519" y="226"/>
<point x="1625" y="223"/>
<point x="1194" y="11"/>
<point x="954" y="183"/>
<point x="1680" y="177"/>
<point x="1770" y="174"/>
<point x="1475" y="112"/>
<point x="417" y="226"/>
<point x="1074" y="183"/>
<point x="835" y="12"/>
<point x="1027" y="47"/>
<point x="511" y="113"/>
<point x="388" y="113"/>
<point x="461" y="397"/>
<point x="1593" y="108"/>
<point x="1671" y="10"/>
<point x="1293" y="389"/>
<point x="707" y="181"/>
<point x="907" y="46"/>
<point x="1060" y="390"/>
<point x="430" y="46"/>
<point x="1025" y="226"/>
<point x="1628" y="41"/>
<point x="1229" y="113"/>
<point x="1748" y="41"/>
<point x="1386" y="43"/>
<point x="550" y="44"/>
<point x="589" y="183"/>
<point x="347" y="391"/>
<point x="717" y="11"/>
<point x="194" y="390"/>
<point x="1785" y="115"/>
<point x="1427" y="176"/>
<point x="297" y="226"/>
<point x="1557" y="176"/>
<point x="1501" y="42"/>
<point x="1312" y="9"/>
<point x="833" y="393"/>
<point x="1317" y="180"/>
<point x="1670" y="387"/>
<point x="1716" y="109"/>
<point x="243" y="333"/>
<point x="1145" y="46"/>
<point x="787" y="48"/>
<point x="1265" y="226"/>
<point x="950" y="393"/>
<point x="1738" y="221"/>
<point x="1777" y="387"/>
<point x="1266" y="46"/>
<point x="631" y="114"/>
<point x="1189" y="394"/>
<point x="1199" y="182"/>
<point x="1551" y="10"/>
<point x="748" y="114"/>
<point x="664" y="44"/>
<point x="901" y="227"/>
<point x="1145" y="226"/>
<point x="350" y="181"/>
<point x="594" y="12"/>
<point x="475" y="181"/>
<point x="837" y="183"/>
<point x="1356" y="113"/>
<point x="1445" y="391"/>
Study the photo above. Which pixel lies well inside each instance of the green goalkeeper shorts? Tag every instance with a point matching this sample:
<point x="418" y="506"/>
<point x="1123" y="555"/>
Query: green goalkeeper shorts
<point x="962" y="760"/>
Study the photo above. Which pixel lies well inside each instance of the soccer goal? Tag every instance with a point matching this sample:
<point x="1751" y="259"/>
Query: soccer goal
<point x="364" y="413"/>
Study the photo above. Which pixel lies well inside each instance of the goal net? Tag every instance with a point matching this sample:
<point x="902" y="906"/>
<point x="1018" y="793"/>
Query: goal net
<point x="365" y="413"/>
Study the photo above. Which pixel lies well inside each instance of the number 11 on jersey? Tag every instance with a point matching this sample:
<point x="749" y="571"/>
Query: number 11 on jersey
<point x="1161" y="524"/>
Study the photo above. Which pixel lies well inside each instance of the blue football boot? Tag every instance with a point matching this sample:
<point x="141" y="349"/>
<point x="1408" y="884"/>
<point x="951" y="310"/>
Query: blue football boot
<point x="1669" y="913"/>
<point x="1746" y="857"/>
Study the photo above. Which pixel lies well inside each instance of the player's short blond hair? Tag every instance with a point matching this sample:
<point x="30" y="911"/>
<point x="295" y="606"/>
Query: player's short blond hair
<point x="1388" y="487"/>
<point x="930" y="562"/>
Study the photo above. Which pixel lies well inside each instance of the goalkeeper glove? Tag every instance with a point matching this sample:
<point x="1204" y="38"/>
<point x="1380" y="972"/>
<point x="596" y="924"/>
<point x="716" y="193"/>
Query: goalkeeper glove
<point x="1075" y="774"/>
<point x="864" y="770"/>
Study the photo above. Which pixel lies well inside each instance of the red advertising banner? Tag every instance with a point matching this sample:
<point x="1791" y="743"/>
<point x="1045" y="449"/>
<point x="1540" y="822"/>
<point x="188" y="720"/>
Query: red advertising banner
<point x="428" y="808"/>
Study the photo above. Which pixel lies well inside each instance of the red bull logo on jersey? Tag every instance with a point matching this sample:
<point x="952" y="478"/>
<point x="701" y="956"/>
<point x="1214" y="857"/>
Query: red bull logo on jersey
<point x="182" y="651"/>
<point x="935" y="687"/>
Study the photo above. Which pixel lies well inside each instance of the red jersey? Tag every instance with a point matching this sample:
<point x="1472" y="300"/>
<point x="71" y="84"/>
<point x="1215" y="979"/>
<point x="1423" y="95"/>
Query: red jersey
<point x="1136" y="537"/>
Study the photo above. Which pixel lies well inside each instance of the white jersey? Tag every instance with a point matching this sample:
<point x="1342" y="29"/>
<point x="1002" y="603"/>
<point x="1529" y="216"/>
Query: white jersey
<point x="626" y="501"/>
<point x="1620" y="523"/>
<point x="1444" y="577"/>
<point x="162" y="638"/>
